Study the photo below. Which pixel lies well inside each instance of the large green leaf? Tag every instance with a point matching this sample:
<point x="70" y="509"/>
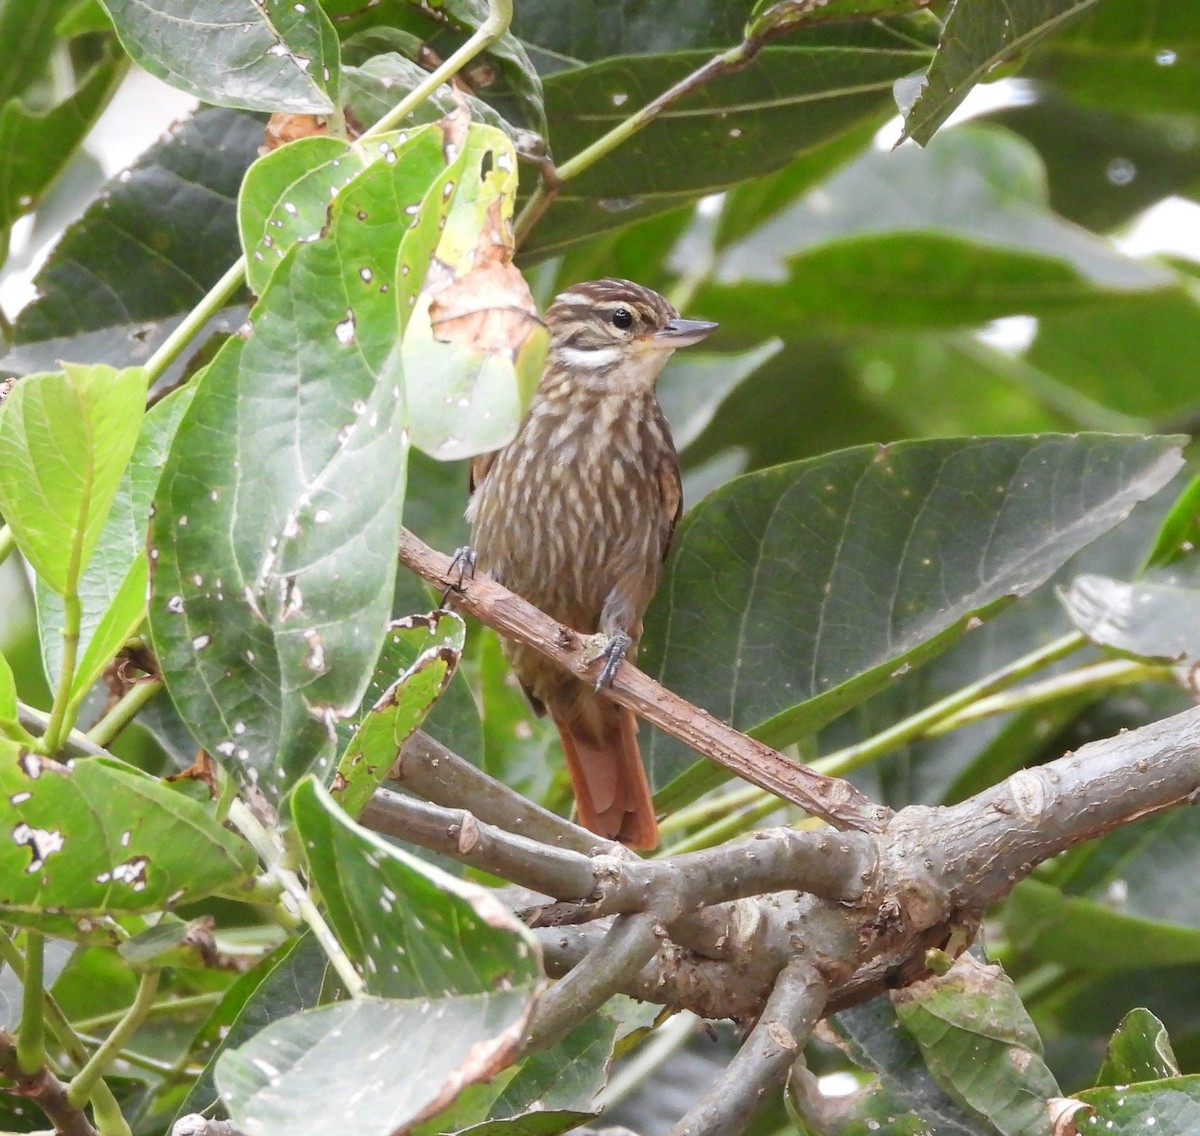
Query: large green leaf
<point x="954" y="235"/>
<point x="65" y="440"/>
<point x="113" y="586"/>
<point x="412" y="930"/>
<point x="135" y="254"/>
<point x="1139" y="1050"/>
<point x="35" y="144"/>
<point x="99" y="837"/>
<point x="1170" y="1107"/>
<point x="789" y="101"/>
<point x="406" y="1060"/>
<point x="821" y="578"/>
<point x="980" y="1043"/>
<point x="277" y="516"/>
<point x="977" y="37"/>
<point x="270" y="55"/>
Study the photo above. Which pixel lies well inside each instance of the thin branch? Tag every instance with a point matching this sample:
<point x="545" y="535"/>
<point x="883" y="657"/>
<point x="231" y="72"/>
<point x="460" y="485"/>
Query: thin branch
<point x="793" y="1009"/>
<point x="45" y="1090"/>
<point x="832" y="800"/>
<point x="630" y="943"/>
<point x="438" y="774"/>
<point x="79" y="1091"/>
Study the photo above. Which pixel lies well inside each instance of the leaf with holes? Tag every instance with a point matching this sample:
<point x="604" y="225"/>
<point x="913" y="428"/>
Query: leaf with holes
<point x="411" y="929"/>
<point x="271" y="55"/>
<point x="434" y="643"/>
<point x="99" y="837"/>
<point x="277" y="517"/>
<point x="824" y="577"/>
<point x="65" y="439"/>
<point x="286" y="195"/>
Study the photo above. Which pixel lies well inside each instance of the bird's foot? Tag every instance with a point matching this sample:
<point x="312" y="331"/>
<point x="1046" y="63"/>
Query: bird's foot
<point x="612" y="649"/>
<point x="462" y="568"/>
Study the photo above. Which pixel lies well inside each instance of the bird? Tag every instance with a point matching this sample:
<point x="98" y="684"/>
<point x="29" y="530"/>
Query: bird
<point x="576" y="515"/>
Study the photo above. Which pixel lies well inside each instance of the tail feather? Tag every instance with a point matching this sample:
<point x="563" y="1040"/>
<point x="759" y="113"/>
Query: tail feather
<point x="611" y="791"/>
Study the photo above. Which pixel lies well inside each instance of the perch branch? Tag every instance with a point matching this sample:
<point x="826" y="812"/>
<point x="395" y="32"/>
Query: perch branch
<point x="45" y="1090"/>
<point x="832" y="800"/>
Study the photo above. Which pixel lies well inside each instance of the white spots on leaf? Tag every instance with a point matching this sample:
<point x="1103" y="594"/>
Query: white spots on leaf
<point x="358" y="406"/>
<point x="125" y="837"/>
<point x="412" y="210"/>
<point x="239" y="728"/>
<point x="292" y="602"/>
<point x="200" y="642"/>
<point x="735" y="132"/>
<point x="1120" y="171"/>
<point x="214" y="495"/>
<point x="31" y="765"/>
<point x="131" y="872"/>
<point x="345" y="332"/>
<point x="19" y="798"/>
<point x="314" y="658"/>
<point x="366" y="275"/>
<point x="41" y="842"/>
<point x="322" y="516"/>
<point x="1165" y="58"/>
<point x="225" y="748"/>
<point x="290" y="209"/>
<point x="182" y="520"/>
<point x="198" y="580"/>
<point x="504" y="162"/>
<point x="619" y="98"/>
<point x="447" y="189"/>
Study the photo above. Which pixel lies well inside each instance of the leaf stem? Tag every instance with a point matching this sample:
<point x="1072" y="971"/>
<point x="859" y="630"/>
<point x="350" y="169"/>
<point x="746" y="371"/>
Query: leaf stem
<point x="79" y="1091"/>
<point x="60" y="725"/>
<point x="211" y="303"/>
<point x="1097" y="677"/>
<point x="499" y="18"/>
<point x="919" y="724"/>
<point x="270" y="851"/>
<point x="31" y="1040"/>
<point x="124" y="712"/>
<point x="172" y="1008"/>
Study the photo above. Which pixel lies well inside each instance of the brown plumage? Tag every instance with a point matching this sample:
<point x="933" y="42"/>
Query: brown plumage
<point x="576" y="515"/>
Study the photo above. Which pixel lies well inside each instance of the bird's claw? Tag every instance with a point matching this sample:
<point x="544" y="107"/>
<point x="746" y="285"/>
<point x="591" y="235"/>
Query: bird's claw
<point x="462" y="568"/>
<point x="612" y="649"/>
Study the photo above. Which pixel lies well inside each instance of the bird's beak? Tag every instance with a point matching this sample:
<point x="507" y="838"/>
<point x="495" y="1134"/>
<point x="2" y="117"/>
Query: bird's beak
<point x="683" y="333"/>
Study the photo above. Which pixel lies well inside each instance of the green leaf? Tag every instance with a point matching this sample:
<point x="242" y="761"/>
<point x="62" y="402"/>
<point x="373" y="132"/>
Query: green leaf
<point x="875" y="1041"/>
<point x="113" y="587"/>
<point x="773" y="17"/>
<point x="134" y="254"/>
<point x="65" y="440"/>
<point x="99" y="837"/>
<point x="822" y="578"/>
<point x="1179" y="535"/>
<point x="285" y="197"/>
<point x="951" y="236"/>
<point x="981" y="1045"/>
<point x="435" y="642"/>
<point x="289" y="980"/>
<point x="272" y="56"/>
<point x="789" y="101"/>
<point x="1139" y="1050"/>
<point x="1153" y="619"/>
<point x="277" y="517"/>
<point x="35" y="144"/>
<point x="1169" y="1107"/>
<point x="474" y="389"/>
<point x="412" y="930"/>
<point x="976" y="38"/>
<point x="406" y="1060"/>
<point x="8" y="695"/>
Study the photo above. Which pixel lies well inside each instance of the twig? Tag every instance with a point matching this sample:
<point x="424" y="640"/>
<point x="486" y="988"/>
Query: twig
<point x="438" y="774"/>
<point x="79" y="1091"/>
<point x="832" y="800"/>
<point x="124" y="712"/>
<point x="611" y="967"/>
<point x="45" y="1090"/>
<point x="794" y="1007"/>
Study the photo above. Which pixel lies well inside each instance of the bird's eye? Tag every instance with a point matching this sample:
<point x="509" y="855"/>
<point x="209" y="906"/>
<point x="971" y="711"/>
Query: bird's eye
<point x="622" y="318"/>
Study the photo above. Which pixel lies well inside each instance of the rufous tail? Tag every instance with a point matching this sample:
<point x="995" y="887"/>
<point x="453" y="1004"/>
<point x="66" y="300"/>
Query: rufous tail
<point x="611" y="791"/>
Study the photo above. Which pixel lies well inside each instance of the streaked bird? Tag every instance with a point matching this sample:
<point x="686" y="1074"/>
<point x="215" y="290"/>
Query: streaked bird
<point x="576" y="515"/>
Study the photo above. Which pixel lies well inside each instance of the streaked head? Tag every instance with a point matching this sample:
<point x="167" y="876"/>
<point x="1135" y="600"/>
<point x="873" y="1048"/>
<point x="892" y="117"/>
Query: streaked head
<point x="617" y="329"/>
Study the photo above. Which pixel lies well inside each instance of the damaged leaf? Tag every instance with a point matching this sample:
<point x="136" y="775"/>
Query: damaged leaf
<point x="437" y="641"/>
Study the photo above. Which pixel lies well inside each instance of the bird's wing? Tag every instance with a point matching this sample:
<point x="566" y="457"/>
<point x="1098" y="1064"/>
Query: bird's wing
<point x="479" y="470"/>
<point x="670" y="490"/>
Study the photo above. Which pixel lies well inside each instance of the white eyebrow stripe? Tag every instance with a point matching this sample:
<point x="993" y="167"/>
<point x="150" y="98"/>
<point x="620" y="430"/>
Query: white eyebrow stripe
<point x="572" y="298"/>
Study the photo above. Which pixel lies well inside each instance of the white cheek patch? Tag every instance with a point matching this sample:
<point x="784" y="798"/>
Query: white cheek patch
<point x="590" y="359"/>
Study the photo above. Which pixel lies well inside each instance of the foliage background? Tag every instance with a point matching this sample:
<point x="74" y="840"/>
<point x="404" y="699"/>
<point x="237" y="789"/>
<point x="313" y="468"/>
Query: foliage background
<point x="858" y="290"/>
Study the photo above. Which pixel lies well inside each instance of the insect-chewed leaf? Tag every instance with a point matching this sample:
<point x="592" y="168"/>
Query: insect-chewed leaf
<point x="98" y="837"/>
<point x="474" y="336"/>
<point x="430" y="647"/>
